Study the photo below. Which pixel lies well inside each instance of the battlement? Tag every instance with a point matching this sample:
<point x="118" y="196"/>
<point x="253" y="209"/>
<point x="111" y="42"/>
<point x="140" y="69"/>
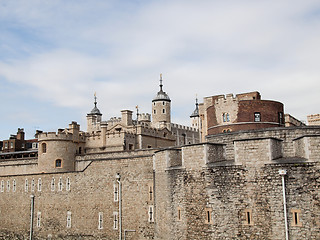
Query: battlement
<point x="144" y="117"/>
<point x="60" y="136"/>
<point x="182" y="127"/>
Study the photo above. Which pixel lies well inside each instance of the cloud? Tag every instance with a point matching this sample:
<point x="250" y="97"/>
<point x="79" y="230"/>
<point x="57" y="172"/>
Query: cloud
<point x="63" y="52"/>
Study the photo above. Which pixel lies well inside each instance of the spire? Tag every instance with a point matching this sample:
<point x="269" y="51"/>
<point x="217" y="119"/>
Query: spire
<point x="161" y="82"/>
<point x="196" y="111"/>
<point x="95" y="110"/>
<point x="95" y="99"/>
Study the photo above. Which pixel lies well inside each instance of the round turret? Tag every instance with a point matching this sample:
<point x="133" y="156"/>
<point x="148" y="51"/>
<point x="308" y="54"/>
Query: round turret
<point x="161" y="109"/>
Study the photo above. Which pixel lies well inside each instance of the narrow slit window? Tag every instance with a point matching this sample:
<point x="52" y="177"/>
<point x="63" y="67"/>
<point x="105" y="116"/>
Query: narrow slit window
<point x="115" y="220"/>
<point x="296" y="218"/>
<point x="32" y="185"/>
<point x="26" y="185"/>
<point x="248" y="217"/>
<point x="8" y="186"/>
<point x="39" y="219"/>
<point x="151" y="214"/>
<point x="208" y="212"/>
<point x="257" y="117"/>
<point x="179" y="218"/>
<point x="68" y="219"/>
<point x="150" y="192"/>
<point x="100" y="223"/>
<point x="39" y="184"/>
<point x="60" y="184"/>
<point x="2" y="186"/>
<point x="14" y="184"/>
<point x="115" y="192"/>
<point x="52" y="184"/>
<point x="68" y="184"/>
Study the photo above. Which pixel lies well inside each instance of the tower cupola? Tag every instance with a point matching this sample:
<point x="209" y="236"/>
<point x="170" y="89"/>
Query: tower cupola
<point x="161" y="109"/>
<point x="94" y="117"/>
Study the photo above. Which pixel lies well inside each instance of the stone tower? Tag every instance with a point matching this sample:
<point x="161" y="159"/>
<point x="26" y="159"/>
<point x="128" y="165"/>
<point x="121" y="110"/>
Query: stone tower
<point x="94" y="118"/>
<point x="195" y="117"/>
<point x="161" y="109"/>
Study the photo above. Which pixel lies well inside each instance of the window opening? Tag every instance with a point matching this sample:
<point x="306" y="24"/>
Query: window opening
<point x="100" y="224"/>
<point x="32" y="185"/>
<point x="151" y="214"/>
<point x="257" y="117"/>
<point x="14" y="185"/>
<point x="52" y="184"/>
<point x="44" y="147"/>
<point x="58" y="163"/>
<point x="60" y="184"/>
<point x="68" y="219"/>
<point x="26" y="185"/>
<point x="39" y="184"/>
<point x="38" y="219"/>
<point x="115" y="220"/>
<point x="115" y="192"/>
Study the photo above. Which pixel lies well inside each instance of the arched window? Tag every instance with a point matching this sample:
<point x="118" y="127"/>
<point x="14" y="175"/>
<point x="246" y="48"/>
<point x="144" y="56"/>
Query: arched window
<point x="58" y="163"/>
<point x="44" y="147"/>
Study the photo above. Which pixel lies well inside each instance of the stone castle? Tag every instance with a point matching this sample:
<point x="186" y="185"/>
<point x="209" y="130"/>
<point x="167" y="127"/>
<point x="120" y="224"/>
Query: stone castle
<point x="147" y="178"/>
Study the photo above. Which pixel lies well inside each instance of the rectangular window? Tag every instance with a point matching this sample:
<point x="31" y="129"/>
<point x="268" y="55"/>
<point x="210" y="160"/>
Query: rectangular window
<point x="296" y="218"/>
<point x="60" y="184"/>
<point x="8" y="186"/>
<point x="248" y="217"/>
<point x="208" y="212"/>
<point x="151" y="214"/>
<point x="32" y="185"/>
<point x="68" y="219"/>
<point x="26" y="185"/>
<point x="5" y="145"/>
<point x="11" y="145"/>
<point x="38" y="219"/>
<point x="14" y="185"/>
<point x="280" y="116"/>
<point x="2" y="186"/>
<point x="39" y="184"/>
<point x="257" y="117"/>
<point x="100" y="224"/>
<point x="115" y="192"/>
<point x="52" y="184"/>
<point x="68" y="184"/>
<point x="115" y="220"/>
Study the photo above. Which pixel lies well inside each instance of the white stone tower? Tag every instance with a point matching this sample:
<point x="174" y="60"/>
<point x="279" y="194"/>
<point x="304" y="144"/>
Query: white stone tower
<point x="94" y="118"/>
<point x="161" y="109"/>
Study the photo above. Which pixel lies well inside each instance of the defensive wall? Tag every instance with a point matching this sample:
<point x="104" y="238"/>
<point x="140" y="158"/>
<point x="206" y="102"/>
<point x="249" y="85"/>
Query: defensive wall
<point x="227" y="188"/>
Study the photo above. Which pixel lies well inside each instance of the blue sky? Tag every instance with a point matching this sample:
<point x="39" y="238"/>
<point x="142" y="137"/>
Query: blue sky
<point x="55" y="54"/>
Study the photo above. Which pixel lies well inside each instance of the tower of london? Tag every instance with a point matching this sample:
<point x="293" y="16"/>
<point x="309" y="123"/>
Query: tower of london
<point x="238" y="172"/>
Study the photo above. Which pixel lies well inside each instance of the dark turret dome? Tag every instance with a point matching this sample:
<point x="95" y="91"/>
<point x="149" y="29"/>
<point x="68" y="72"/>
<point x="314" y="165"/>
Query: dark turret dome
<point x="196" y="111"/>
<point x="95" y="110"/>
<point x="161" y="95"/>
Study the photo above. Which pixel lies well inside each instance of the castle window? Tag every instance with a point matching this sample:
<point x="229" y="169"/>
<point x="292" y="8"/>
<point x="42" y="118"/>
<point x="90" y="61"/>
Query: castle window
<point x="44" y="147"/>
<point x="52" y="184"/>
<point x="179" y="217"/>
<point x="60" y="184"/>
<point x="26" y="185"/>
<point x="68" y="184"/>
<point x="80" y="150"/>
<point x="58" y="163"/>
<point x="296" y="218"/>
<point x="32" y="185"/>
<point x="163" y="103"/>
<point x="224" y="117"/>
<point x="208" y="212"/>
<point x="68" y="219"/>
<point x="248" y="217"/>
<point x="100" y="223"/>
<point x="163" y="111"/>
<point x="38" y="219"/>
<point x="151" y="215"/>
<point x="2" y="186"/>
<point x="115" y="220"/>
<point x="39" y="184"/>
<point x="11" y="145"/>
<point x="227" y="117"/>
<point x="5" y="145"/>
<point x="130" y="146"/>
<point x="154" y="111"/>
<point x="115" y="192"/>
<point x="257" y="117"/>
<point x="22" y="145"/>
<point x="8" y="186"/>
<point x="14" y="185"/>
<point x="150" y="192"/>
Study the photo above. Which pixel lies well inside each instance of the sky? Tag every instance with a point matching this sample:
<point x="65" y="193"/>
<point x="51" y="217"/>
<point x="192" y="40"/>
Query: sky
<point x="54" y="55"/>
